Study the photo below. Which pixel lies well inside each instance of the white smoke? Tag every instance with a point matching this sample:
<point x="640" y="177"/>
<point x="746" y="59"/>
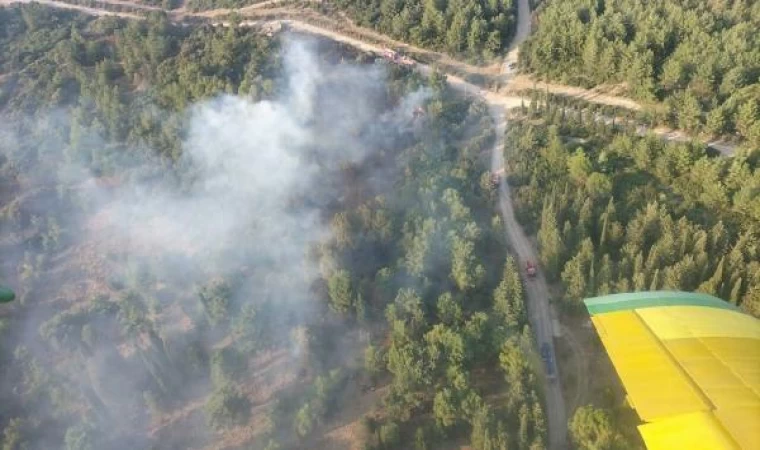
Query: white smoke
<point x="259" y="178"/>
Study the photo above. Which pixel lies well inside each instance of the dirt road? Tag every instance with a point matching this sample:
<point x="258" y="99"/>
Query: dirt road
<point x="84" y="9"/>
<point x="596" y="95"/>
<point x="370" y="40"/>
<point x="536" y="289"/>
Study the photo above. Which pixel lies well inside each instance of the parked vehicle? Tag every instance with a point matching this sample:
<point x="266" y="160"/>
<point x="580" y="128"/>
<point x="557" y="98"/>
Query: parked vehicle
<point x="546" y="356"/>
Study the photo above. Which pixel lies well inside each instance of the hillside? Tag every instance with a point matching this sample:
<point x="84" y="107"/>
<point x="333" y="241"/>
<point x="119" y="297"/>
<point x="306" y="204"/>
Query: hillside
<point x="215" y="247"/>
<point x="248" y="230"/>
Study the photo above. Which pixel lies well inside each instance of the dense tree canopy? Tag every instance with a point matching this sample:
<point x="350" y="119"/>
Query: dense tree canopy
<point x="200" y="5"/>
<point x="409" y="278"/>
<point x="702" y="59"/>
<point x="59" y="59"/>
<point x="617" y="212"/>
<point x="591" y="429"/>
<point x="460" y="27"/>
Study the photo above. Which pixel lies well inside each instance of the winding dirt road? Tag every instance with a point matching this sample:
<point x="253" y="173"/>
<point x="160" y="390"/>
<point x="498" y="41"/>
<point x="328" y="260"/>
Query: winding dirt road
<point x="537" y="291"/>
<point x="370" y="40"/>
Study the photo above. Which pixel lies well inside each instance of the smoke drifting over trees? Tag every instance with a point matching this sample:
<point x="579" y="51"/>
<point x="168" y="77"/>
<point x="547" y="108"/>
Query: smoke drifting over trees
<point x="222" y="240"/>
<point x="245" y="202"/>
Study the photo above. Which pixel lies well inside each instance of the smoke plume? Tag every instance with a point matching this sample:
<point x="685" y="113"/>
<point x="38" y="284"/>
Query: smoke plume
<point x="256" y="182"/>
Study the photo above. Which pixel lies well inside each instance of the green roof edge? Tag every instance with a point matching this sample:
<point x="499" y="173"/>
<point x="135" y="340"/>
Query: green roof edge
<point x="649" y="299"/>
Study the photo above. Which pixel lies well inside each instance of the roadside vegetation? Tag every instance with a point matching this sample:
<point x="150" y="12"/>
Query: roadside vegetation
<point x="700" y="59"/>
<point x="613" y="211"/>
<point x="202" y="5"/>
<point x="475" y="30"/>
<point x="616" y="212"/>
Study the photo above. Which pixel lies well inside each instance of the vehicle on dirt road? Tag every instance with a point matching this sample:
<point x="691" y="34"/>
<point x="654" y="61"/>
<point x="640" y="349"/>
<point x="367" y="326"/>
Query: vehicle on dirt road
<point x="530" y="269"/>
<point x="398" y="58"/>
<point x="546" y="356"/>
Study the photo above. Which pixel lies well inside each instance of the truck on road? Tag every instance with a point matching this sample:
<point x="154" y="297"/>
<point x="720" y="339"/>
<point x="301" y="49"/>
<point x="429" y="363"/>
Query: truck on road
<point x="530" y="269"/>
<point x="546" y="356"/>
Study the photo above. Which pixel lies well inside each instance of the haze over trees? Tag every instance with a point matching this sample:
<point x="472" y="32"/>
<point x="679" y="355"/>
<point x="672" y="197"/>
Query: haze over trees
<point x="385" y="274"/>
<point x="700" y="58"/>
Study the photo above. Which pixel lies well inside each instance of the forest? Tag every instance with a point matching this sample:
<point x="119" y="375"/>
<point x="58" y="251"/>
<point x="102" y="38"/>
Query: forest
<point x="201" y="260"/>
<point x="700" y="60"/>
<point x="477" y="30"/>
<point x="615" y="212"/>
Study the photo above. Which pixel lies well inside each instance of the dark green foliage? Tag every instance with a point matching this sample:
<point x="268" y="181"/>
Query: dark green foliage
<point x="65" y="329"/>
<point x="339" y="288"/>
<point x="227" y="407"/>
<point x="508" y="301"/>
<point x="100" y="67"/>
<point x="701" y="58"/>
<point x="132" y="313"/>
<point x="200" y="5"/>
<point x="592" y="428"/>
<point x="460" y="27"/>
<point x="488" y="433"/>
<point x="373" y="361"/>
<point x="319" y="404"/>
<point x="442" y="329"/>
<point x="389" y="435"/>
<point x="670" y="216"/>
<point x="421" y="248"/>
<point x="35" y="383"/>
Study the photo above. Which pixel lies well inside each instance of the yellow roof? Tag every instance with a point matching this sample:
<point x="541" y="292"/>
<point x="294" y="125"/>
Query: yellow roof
<point x="690" y="364"/>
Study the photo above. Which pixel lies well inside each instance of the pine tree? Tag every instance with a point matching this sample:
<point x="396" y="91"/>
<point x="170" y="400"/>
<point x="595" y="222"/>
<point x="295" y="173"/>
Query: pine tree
<point x="539" y="422"/>
<point x="420" y="443"/>
<point x="508" y="296"/>
<point x="575" y="273"/>
<point x="465" y="271"/>
<point x="523" y="433"/>
<point x="746" y="117"/>
<point x="714" y="284"/>
<point x="592" y="428"/>
<point x="604" y="278"/>
<point x="655" y="284"/>
<point x="361" y="309"/>
<point x="339" y="288"/>
<point x="549" y="240"/>
<point x="607" y="216"/>
<point x="736" y="291"/>
<point x="751" y="301"/>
